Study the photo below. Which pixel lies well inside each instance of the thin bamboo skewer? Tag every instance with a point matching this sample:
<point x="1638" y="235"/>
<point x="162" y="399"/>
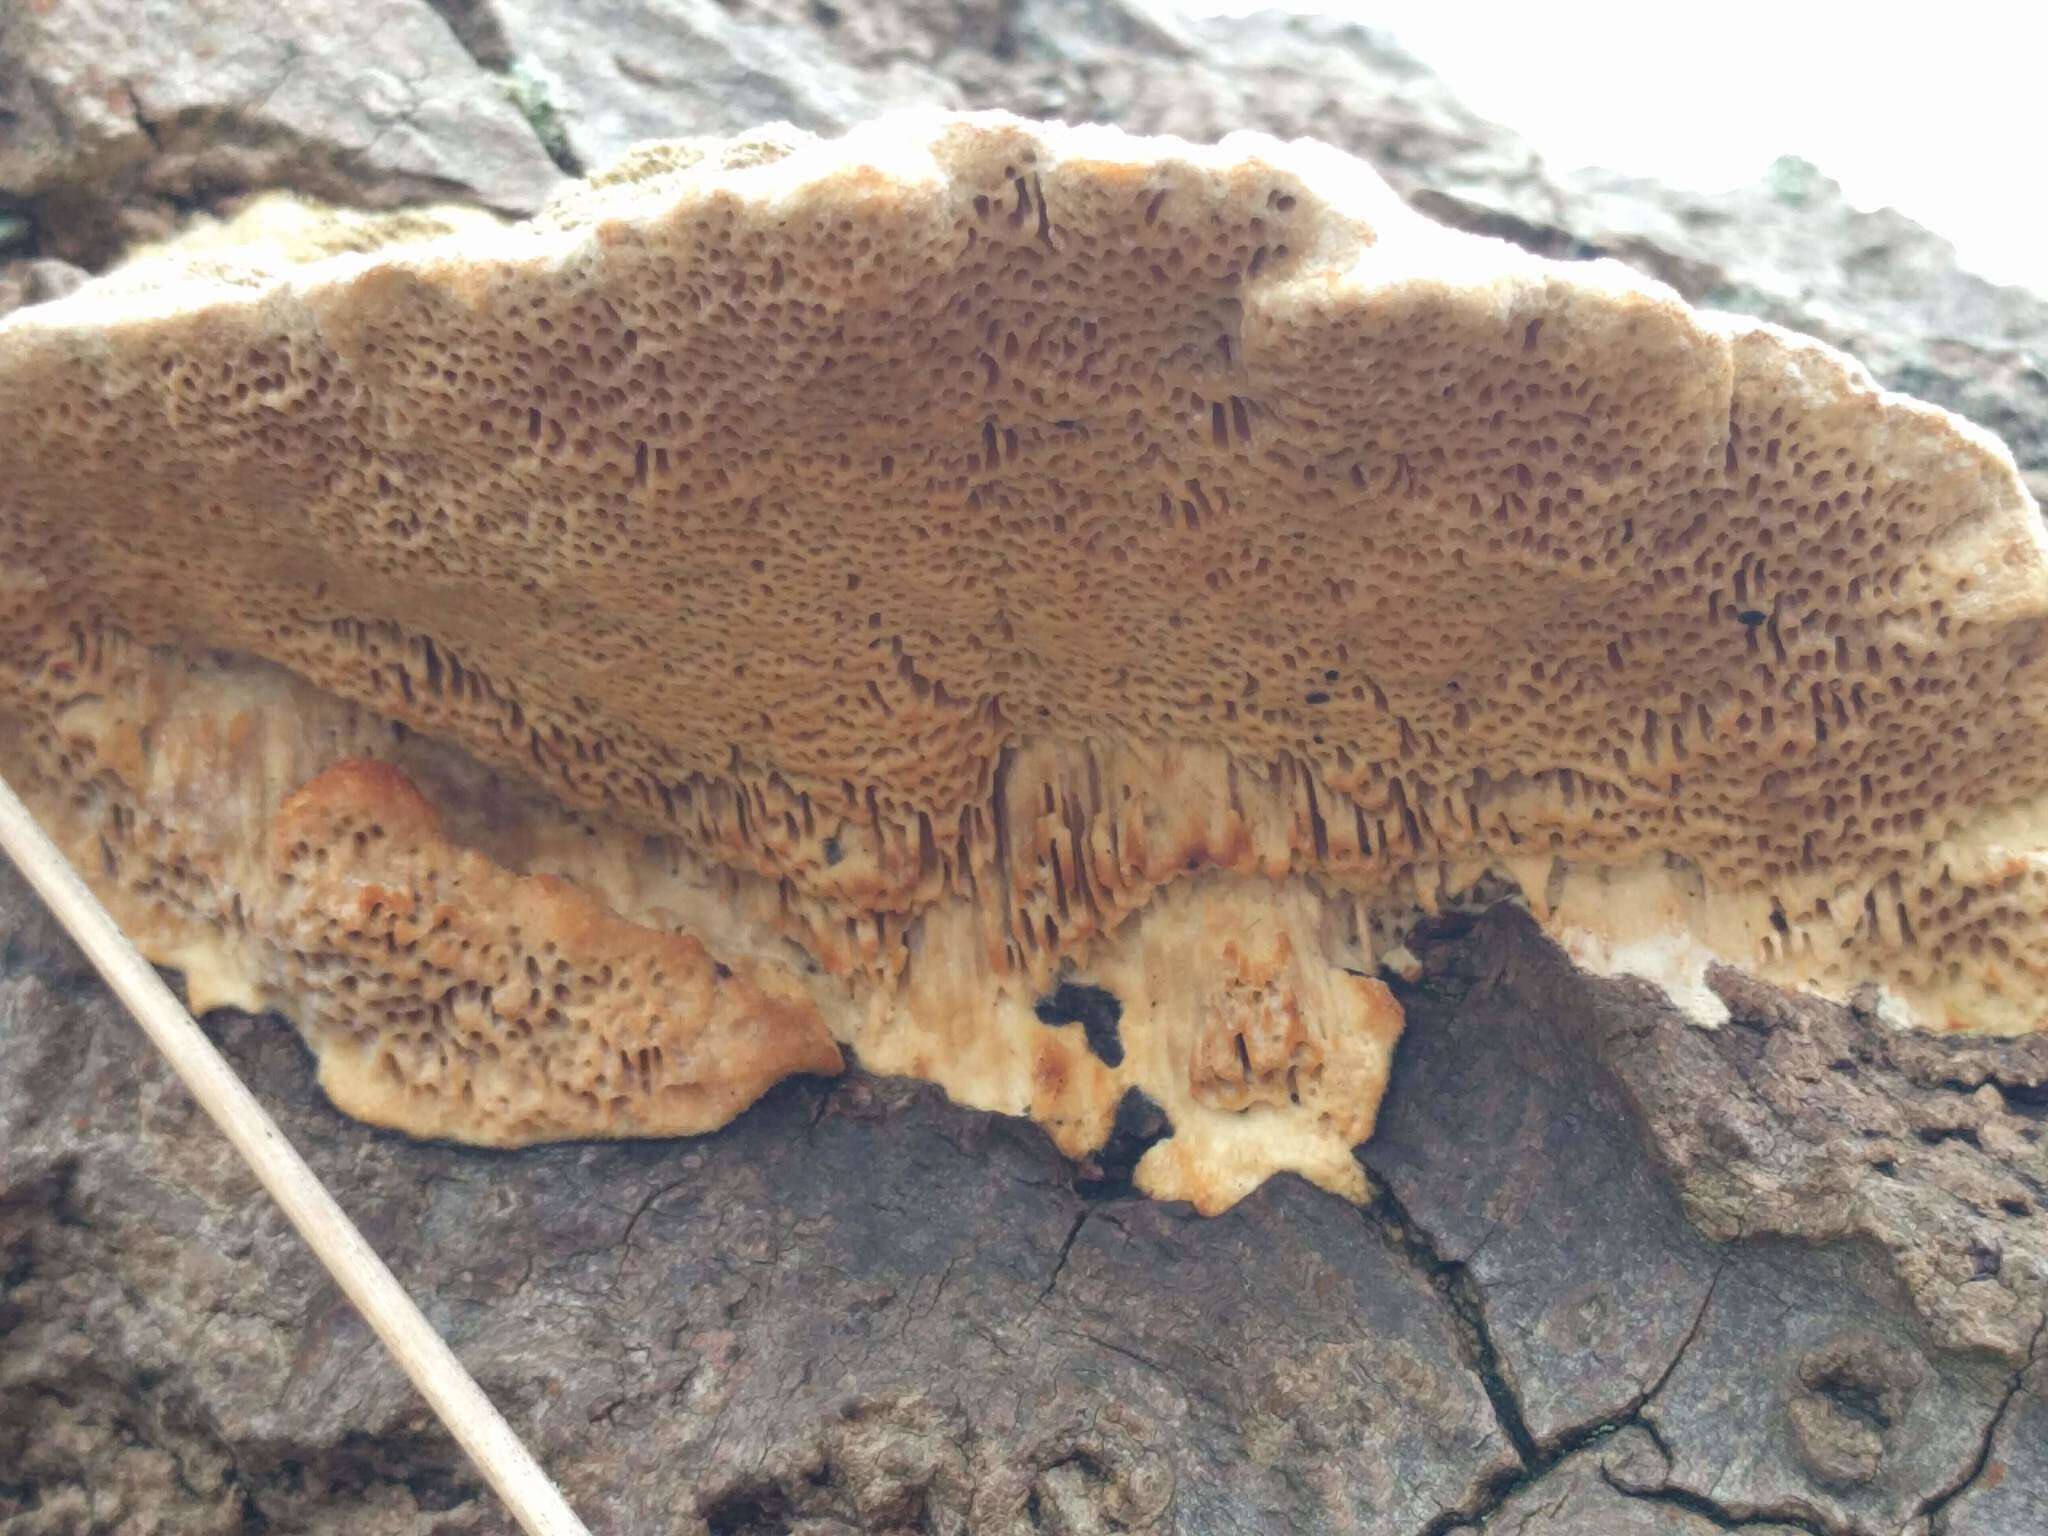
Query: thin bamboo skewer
<point x="421" y="1352"/>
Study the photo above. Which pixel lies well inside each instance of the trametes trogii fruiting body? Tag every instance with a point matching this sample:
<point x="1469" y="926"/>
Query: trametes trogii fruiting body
<point x="1042" y="607"/>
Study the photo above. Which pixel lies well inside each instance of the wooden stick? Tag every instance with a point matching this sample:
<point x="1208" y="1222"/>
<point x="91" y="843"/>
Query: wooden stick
<point x="449" y="1389"/>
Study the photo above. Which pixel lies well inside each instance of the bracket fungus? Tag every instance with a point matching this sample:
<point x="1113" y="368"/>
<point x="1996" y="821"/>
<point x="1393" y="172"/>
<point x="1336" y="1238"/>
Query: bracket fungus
<point x="1041" y="607"/>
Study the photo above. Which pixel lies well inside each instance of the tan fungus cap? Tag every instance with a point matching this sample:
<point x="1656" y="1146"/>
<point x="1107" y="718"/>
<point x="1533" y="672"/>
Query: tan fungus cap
<point x="1042" y="607"/>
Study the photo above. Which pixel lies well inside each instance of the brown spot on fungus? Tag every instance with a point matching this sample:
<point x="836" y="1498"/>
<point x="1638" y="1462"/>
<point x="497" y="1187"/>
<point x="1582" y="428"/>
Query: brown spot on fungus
<point x="833" y="591"/>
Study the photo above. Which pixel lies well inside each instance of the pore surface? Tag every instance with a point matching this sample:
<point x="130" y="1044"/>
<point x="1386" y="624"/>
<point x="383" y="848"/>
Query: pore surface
<point x="1040" y="606"/>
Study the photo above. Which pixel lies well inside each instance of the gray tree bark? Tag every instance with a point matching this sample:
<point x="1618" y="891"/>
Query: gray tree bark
<point x="1620" y="1275"/>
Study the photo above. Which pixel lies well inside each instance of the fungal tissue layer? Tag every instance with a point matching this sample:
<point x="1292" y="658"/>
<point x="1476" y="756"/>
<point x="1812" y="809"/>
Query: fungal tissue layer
<point x="1041" y="608"/>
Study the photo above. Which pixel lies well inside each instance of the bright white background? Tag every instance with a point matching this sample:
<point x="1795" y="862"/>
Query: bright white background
<point x="1937" y="109"/>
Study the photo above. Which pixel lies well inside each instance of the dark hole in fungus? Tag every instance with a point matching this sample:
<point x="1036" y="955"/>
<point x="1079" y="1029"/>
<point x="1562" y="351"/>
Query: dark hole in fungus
<point x="1319" y="697"/>
<point x="1140" y="1124"/>
<point x="1751" y="617"/>
<point x="1096" y="1009"/>
<point x="833" y="852"/>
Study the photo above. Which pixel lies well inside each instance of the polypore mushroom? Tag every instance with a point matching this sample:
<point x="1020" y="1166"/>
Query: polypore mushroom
<point x="1040" y="606"/>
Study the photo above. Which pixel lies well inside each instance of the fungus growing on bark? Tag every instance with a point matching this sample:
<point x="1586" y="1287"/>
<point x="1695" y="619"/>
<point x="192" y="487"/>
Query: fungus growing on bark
<point x="1042" y="607"/>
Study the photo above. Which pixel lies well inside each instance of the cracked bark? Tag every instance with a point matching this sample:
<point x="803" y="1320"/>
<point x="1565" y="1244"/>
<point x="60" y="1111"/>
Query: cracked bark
<point x="1934" y="1509"/>
<point x="860" y="1309"/>
<point x="1060" y="1263"/>
<point x="111" y="132"/>
<point x="1750" y="1362"/>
